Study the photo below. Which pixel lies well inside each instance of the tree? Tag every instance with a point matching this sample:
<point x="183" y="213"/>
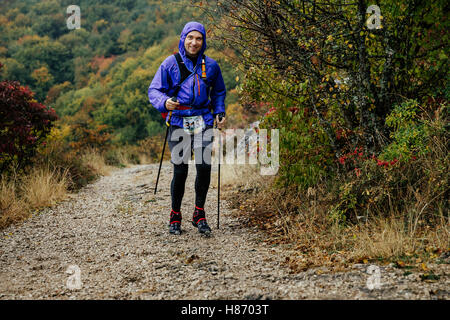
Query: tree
<point x="43" y="79"/>
<point x="330" y="57"/>
<point x="24" y="124"/>
<point x="35" y="52"/>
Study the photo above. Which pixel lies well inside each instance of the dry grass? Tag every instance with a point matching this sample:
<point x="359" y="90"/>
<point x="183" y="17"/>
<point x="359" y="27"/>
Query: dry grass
<point x="124" y="159"/>
<point x="96" y="162"/>
<point x="300" y="220"/>
<point x="12" y="208"/>
<point x="19" y="196"/>
<point x="236" y="175"/>
<point x="145" y="159"/>
<point x="43" y="187"/>
<point x="382" y="237"/>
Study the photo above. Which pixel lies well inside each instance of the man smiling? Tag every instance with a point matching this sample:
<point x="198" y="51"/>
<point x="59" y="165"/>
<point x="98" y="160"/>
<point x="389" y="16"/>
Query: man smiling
<point x="186" y="89"/>
<point x="193" y="43"/>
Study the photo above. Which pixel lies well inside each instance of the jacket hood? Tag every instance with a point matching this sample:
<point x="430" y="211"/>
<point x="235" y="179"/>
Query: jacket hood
<point x="192" y="26"/>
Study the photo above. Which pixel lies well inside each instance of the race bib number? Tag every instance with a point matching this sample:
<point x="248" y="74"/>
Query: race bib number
<point x="193" y="125"/>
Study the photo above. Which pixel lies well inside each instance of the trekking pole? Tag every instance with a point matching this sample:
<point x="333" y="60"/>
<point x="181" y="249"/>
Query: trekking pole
<point x="164" y="146"/>
<point x="218" y="183"/>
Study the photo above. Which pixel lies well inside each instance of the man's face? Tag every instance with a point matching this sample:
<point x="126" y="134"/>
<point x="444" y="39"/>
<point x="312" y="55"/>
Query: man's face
<point x="193" y="43"/>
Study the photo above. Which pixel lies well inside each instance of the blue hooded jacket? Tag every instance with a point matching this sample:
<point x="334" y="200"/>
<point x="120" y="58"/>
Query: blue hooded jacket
<point x="194" y="92"/>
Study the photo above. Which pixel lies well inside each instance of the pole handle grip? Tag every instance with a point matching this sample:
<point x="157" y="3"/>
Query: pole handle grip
<point x="168" y="118"/>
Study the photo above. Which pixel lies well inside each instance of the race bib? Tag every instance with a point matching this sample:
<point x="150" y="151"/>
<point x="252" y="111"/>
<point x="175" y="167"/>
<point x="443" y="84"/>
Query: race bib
<point x="193" y="125"/>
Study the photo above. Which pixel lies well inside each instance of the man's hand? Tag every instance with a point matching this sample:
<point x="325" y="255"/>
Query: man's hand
<point x="220" y="123"/>
<point x="171" y="105"/>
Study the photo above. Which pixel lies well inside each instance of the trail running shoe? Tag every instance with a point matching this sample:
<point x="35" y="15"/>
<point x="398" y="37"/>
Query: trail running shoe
<point x="175" y="223"/>
<point x="199" y="221"/>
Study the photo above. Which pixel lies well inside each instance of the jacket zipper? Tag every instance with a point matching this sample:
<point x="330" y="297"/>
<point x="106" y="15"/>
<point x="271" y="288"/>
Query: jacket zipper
<point x="193" y="90"/>
<point x="193" y="86"/>
<point x="198" y="85"/>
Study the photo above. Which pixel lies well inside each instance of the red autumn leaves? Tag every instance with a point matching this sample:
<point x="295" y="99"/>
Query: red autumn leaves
<point x="358" y="155"/>
<point x="24" y="123"/>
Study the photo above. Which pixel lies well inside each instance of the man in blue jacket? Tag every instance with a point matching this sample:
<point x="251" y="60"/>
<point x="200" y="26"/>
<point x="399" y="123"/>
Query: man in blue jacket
<point x="190" y="103"/>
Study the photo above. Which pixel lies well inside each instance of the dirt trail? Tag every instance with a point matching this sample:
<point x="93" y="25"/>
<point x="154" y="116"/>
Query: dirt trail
<point x="115" y="231"/>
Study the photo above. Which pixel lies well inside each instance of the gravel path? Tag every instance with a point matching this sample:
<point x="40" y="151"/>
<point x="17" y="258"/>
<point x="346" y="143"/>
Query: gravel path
<point x="116" y="232"/>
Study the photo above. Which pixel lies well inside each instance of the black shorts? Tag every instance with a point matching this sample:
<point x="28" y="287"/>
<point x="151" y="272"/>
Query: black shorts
<point x="184" y="145"/>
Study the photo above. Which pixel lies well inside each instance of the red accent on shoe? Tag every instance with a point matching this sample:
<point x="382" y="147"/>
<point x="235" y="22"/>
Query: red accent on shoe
<point x="200" y="219"/>
<point x="198" y="208"/>
<point x="172" y="216"/>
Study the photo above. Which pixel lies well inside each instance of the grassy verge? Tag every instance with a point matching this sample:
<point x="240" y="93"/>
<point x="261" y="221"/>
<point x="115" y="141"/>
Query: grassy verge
<point x="45" y="184"/>
<point x="301" y="222"/>
<point x="407" y="223"/>
<point x="59" y="170"/>
<point x="20" y="195"/>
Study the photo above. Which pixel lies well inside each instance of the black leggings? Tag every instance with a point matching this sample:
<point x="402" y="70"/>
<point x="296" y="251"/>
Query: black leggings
<point x="202" y="180"/>
<point x="180" y="171"/>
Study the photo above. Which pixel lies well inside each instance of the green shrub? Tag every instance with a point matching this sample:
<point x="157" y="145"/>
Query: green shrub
<point x="305" y="156"/>
<point x="410" y="132"/>
<point x="410" y="177"/>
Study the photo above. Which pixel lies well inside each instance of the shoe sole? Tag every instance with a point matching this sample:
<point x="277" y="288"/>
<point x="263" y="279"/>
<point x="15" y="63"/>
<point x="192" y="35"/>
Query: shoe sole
<point x="175" y="232"/>
<point x="206" y="233"/>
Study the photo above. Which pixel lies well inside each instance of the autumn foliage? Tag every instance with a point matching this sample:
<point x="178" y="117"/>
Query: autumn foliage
<point x="24" y="124"/>
<point x="330" y="79"/>
<point x="362" y="111"/>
